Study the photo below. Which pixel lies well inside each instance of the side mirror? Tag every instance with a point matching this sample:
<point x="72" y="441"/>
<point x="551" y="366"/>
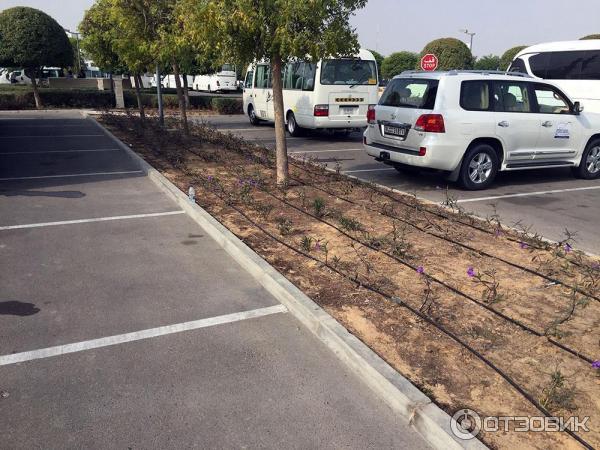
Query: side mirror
<point x="577" y="108"/>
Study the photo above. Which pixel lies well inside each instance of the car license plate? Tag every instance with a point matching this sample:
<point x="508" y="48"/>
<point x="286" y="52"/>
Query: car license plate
<point x="394" y="131"/>
<point x="349" y="110"/>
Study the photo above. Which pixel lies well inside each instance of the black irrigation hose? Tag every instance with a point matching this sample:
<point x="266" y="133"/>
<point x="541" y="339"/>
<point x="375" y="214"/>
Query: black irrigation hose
<point x="468" y="247"/>
<point x="419" y="314"/>
<point x="440" y="282"/>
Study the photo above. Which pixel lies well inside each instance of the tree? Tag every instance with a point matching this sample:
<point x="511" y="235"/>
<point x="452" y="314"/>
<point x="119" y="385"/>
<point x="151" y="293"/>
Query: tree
<point x="452" y="54"/>
<point x="397" y="63"/>
<point x="509" y="55"/>
<point x="590" y="36"/>
<point x="31" y="39"/>
<point x="278" y="31"/>
<point x="379" y="60"/>
<point x="488" y="62"/>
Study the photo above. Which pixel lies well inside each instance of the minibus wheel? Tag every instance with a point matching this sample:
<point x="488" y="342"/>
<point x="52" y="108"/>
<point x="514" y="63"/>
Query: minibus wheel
<point x="292" y="125"/>
<point x="252" y="116"/>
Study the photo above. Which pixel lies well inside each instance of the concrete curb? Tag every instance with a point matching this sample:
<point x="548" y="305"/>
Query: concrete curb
<point x="399" y="393"/>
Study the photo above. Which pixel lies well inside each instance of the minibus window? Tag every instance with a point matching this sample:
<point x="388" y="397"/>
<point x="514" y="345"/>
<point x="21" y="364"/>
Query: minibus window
<point x="590" y="68"/>
<point x="565" y="65"/>
<point x="539" y="64"/>
<point x="310" y="72"/>
<point x="228" y="68"/>
<point x="262" y="77"/>
<point x="348" y="72"/>
<point x="518" y="65"/>
<point x="249" y="78"/>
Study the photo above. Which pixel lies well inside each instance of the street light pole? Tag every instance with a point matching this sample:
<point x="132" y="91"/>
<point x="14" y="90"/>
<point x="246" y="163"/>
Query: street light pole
<point x="466" y="31"/>
<point x="78" y="51"/>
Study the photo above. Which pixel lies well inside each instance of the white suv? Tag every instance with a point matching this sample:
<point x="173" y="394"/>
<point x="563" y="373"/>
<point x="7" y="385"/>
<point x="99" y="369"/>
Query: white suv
<point x="473" y="124"/>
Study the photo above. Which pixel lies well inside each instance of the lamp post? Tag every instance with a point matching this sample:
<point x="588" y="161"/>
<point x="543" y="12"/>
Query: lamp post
<point x="466" y="31"/>
<point x="76" y="34"/>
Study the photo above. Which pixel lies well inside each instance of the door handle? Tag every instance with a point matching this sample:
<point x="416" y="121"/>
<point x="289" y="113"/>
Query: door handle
<point x="547" y="124"/>
<point x="503" y="124"/>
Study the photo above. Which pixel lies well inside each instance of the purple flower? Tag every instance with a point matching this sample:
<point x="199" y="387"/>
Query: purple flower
<point x="471" y="272"/>
<point x="596" y="365"/>
<point x="568" y="248"/>
<point x="317" y="246"/>
<point x="523" y="245"/>
<point x="420" y="270"/>
<point x="498" y="233"/>
<point x="210" y="178"/>
<point x="596" y="266"/>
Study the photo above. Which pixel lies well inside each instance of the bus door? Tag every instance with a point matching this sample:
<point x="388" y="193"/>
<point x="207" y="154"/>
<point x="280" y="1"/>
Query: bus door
<point x="263" y="94"/>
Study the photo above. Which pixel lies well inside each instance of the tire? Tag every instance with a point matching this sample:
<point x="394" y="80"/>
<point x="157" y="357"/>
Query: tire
<point x="479" y="167"/>
<point x="252" y="116"/>
<point x="292" y="126"/>
<point x="589" y="167"/>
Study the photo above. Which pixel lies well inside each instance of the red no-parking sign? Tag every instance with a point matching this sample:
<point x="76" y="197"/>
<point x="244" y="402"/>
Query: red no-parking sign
<point x="429" y="62"/>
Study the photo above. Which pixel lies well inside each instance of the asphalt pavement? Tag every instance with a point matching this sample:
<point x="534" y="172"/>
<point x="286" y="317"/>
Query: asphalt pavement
<point x="544" y="201"/>
<point x="123" y="326"/>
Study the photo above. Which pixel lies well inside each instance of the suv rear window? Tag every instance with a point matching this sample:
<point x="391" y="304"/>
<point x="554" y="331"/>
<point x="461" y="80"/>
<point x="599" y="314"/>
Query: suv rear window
<point x="410" y="93"/>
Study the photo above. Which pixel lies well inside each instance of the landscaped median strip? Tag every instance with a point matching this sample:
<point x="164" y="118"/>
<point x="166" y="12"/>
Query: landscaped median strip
<point x="139" y="335"/>
<point x="95" y="219"/>
<point x="398" y="392"/>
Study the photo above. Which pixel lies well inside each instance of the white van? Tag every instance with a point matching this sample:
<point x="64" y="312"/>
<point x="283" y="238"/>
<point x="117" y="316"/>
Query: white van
<point x="169" y="81"/>
<point x="574" y="66"/>
<point x="332" y="93"/>
<point x="223" y="80"/>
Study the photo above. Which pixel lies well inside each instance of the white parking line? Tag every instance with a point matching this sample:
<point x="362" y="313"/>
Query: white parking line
<point x="328" y="151"/>
<point x="95" y="219"/>
<point x="138" y="335"/>
<point x="35" y="152"/>
<point x="31" y="125"/>
<point x="527" y="194"/>
<point x="368" y="170"/>
<point x="127" y="172"/>
<point x="48" y="137"/>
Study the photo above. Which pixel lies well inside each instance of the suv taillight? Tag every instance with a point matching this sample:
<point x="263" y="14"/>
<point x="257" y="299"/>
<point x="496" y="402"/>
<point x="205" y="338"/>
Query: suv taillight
<point x="430" y="123"/>
<point x="321" y="110"/>
<point x="371" y="114"/>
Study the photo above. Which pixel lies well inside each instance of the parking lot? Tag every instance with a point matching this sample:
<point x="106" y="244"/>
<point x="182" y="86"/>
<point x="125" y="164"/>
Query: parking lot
<point x="123" y="326"/>
<point x="547" y="201"/>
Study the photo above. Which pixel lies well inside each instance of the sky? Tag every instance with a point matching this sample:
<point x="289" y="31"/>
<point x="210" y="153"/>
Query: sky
<point x="394" y="25"/>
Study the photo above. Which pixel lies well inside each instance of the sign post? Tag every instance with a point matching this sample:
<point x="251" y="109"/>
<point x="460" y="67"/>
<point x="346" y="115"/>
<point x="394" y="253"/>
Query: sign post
<point x="429" y="62"/>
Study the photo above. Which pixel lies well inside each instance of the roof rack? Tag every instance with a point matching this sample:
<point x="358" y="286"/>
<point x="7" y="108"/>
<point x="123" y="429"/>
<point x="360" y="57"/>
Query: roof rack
<point x="481" y="72"/>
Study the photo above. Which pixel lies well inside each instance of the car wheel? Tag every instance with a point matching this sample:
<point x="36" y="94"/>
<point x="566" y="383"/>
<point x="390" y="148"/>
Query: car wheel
<point x="589" y="167"/>
<point x="479" y="167"/>
<point x="252" y="116"/>
<point x="292" y="125"/>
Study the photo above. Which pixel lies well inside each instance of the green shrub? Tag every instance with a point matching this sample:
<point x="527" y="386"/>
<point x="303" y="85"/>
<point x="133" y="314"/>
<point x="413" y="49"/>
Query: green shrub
<point x="227" y="105"/>
<point x="397" y="63"/>
<point x="452" y="54"/>
<point x="55" y="98"/>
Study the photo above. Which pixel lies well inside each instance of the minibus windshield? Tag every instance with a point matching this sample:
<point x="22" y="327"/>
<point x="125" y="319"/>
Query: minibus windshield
<point x="348" y="72"/>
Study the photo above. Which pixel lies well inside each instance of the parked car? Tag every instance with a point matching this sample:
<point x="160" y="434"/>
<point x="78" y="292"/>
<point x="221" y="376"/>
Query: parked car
<point x="472" y="125"/>
<point x="573" y="66"/>
<point x="19" y="77"/>
<point x="5" y="76"/>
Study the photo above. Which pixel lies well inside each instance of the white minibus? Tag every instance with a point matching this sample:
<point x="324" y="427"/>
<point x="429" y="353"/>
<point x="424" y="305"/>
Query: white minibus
<point x="574" y="66"/>
<point x="223" y="80"/>
<point x="333" y="93"/>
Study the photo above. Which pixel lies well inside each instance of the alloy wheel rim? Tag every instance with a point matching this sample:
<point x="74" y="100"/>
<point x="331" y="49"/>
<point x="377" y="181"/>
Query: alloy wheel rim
<point x="480" y="168"/>
<point x="592" y="161"/>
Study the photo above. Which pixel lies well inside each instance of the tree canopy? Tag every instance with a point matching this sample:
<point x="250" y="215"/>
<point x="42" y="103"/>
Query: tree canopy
<point x="590" y="36"/>
<point x="277" y="31"/>
<point x="452" y="54"/>
<point x="397" y="63"/>
<point x="31" y="39"/>
<point x="509" y="55"/>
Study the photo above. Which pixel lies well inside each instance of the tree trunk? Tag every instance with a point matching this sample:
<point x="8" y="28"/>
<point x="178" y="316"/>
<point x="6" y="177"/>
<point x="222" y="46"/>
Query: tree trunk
<point x="181" y="99"/>
<point x="36" y="92"/>
<point x="280" y="142"/>
<point x="138" y="82"/>
<point x="186" y="91"/>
